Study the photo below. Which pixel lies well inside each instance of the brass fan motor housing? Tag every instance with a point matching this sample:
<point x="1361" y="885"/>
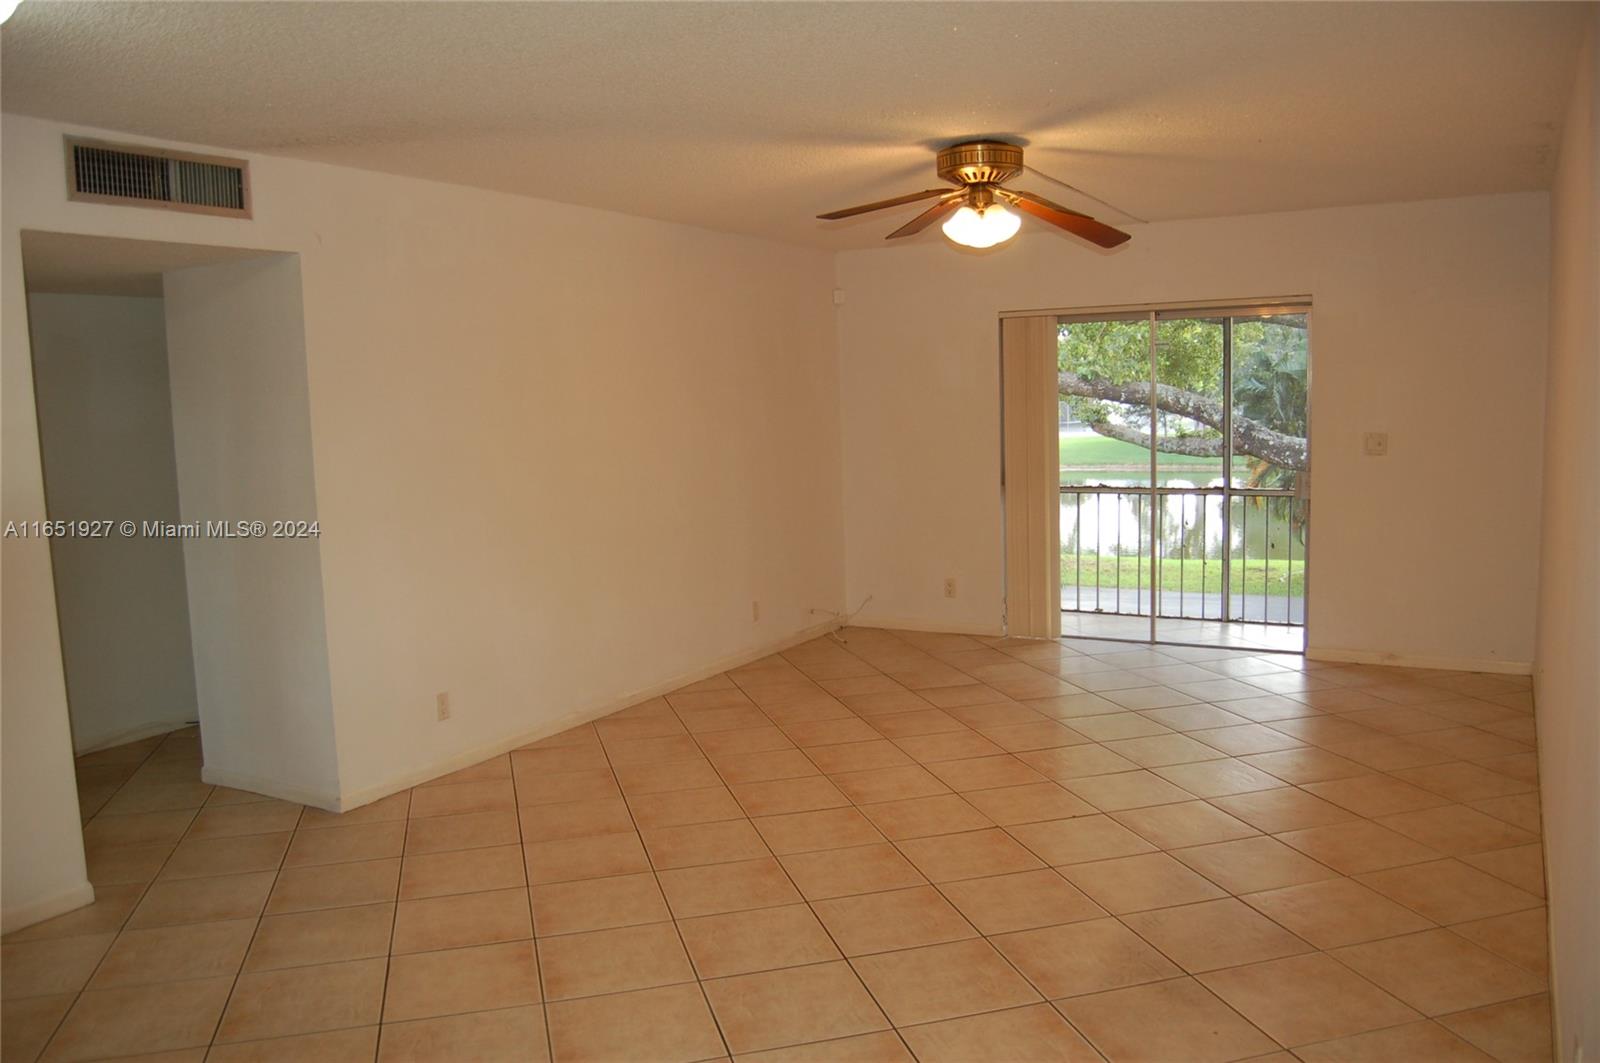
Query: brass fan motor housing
<point x="980" y="162"/>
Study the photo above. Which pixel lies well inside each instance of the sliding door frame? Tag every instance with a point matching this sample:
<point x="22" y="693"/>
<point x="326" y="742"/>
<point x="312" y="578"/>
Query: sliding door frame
<point x="1226" y="310"/>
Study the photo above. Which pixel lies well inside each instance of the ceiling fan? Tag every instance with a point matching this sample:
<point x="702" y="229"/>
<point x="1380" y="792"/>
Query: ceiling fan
<point x="974" y="214"/>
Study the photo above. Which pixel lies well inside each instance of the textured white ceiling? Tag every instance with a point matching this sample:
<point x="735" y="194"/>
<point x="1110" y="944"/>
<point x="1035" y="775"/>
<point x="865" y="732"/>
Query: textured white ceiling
<point x="752" y="117"/>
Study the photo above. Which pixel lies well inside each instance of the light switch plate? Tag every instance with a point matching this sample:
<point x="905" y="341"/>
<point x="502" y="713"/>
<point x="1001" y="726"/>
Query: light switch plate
<point x="1375" y="444"/>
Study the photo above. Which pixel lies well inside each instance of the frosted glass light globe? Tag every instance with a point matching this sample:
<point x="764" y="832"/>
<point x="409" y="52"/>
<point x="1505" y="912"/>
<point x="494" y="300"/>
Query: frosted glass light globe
<point x="993" y="225"/>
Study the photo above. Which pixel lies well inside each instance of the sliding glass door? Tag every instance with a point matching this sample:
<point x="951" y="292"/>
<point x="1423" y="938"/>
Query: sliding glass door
<point x="1184" y="474"/>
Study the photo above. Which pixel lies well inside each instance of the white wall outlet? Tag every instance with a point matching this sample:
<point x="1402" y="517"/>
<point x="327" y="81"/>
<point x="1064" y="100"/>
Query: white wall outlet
<point x="949" y="586"/>
<point x="1375" y="444"/>
<point x="444" y="706"/>
<point x="755" y="610"/>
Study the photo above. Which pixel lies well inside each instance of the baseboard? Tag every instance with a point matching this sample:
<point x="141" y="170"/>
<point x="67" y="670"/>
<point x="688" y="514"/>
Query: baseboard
<point x="1405" y="660"/>
<point x="149" y="730"/>
<point x="271" y="788"/>
<point x="901" y="623"/>
<point x="59" y="904"/>
<point x="588" y="713"/>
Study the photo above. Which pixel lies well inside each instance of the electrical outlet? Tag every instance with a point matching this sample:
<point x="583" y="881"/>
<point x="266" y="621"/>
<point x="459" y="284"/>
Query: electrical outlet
<point x="1375" y="444"/>
<point x="444" y="707"/>
<point x="949" y="586"/>
<point x="755" y="611"/>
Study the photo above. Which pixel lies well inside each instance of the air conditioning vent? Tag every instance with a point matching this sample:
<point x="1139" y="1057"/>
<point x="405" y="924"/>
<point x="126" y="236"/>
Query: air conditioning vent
<point x="138" y="176"/>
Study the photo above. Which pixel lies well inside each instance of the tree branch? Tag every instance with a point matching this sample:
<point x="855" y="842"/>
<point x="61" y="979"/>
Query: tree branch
<point x="1249" y="436"/>
<point x="1192" y="446"/>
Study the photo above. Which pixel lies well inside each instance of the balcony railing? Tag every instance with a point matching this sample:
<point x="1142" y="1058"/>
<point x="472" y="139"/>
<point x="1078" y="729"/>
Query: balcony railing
<point x="1123" y="548"/>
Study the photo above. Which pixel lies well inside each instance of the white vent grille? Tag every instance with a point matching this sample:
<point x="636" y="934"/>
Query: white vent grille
<point x="153" y="177"/>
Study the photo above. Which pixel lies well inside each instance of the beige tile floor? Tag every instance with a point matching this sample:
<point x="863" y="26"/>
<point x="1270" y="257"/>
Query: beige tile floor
<point x="896" y="846"/>
<point x="1233" y="634"/>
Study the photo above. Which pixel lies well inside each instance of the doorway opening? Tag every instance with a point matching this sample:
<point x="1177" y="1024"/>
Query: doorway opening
<point x="172" y="402"/>
<point x="1185" y="475"/>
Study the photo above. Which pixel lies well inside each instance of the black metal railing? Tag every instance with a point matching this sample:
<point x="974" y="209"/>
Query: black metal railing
<point x="1171" y="550"/>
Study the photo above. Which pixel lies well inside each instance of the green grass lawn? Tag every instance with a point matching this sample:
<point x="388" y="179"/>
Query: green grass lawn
<point x="1253" y="577"/>
<point x="1098" y="452"/>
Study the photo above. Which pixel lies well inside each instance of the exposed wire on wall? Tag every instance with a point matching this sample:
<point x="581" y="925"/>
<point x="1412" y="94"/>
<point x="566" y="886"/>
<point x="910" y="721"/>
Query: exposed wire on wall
<point x="842" y="619"/>
<point x="1086" y="195"/>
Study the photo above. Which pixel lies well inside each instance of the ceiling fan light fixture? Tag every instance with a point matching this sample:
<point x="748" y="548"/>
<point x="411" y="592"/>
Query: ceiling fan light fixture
<point x="992" y="225"/>
<point x="971" y="213"/>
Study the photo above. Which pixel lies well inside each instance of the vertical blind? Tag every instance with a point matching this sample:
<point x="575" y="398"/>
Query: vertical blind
<point x="1032" y="473"/>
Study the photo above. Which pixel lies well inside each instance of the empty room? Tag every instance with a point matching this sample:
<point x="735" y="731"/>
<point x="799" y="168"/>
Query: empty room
<point x="795" y="532"/>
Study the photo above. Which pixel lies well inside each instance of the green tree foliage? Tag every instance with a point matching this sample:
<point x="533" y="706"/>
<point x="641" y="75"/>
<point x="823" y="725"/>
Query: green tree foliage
<point x="1105" y="372"/>
<point x="1269" y="385"/>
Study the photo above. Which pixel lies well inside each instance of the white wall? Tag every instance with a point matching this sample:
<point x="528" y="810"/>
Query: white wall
<point x="242" y="426"/>
<point x="1567" y="681"/>
<point x="1429" y="323"/>
<point x="42" y="870"/>
<point x="558" y="452"/>
<point x="105" y="422"/>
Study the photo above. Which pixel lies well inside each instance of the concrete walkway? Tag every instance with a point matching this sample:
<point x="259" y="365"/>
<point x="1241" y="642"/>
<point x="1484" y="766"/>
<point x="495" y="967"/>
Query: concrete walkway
<point x="1192" y="605"/>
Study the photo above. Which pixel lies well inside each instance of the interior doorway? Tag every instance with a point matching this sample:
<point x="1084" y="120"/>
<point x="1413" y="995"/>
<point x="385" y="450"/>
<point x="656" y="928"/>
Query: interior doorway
<point x="107" y="396"/>
<point x="171" y="393"/>
<point x="1185" y="475"/>
<point x="103" y="400"/>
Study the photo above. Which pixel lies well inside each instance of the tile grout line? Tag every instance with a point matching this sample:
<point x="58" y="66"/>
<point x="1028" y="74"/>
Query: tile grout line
<point x="929" y="883"/>
<point x="148" y="886"/>
<point x="807" y="901"/>
<point x="985" y="938"/>
<point x="151" y="884"/>
<point x="394" y="923"/>
<point x="121" y="926"/>
<point x="255" y="931"/>
<point x="1054" y="1004"/>
<point x="527" y="893"/>
<point x="655" y="874"/>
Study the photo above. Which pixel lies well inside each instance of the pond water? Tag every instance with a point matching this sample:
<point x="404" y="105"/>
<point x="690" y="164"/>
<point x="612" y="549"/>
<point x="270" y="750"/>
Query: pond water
<point x="1106" y="542"/>
<point x="1191" y="525"/>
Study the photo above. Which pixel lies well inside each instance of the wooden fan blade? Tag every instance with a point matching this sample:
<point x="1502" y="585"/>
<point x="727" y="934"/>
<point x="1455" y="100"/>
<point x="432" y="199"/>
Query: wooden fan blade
<point x="1043" y="202"/>
<point x="1077" y="224"/>
<point x="929" y="216"/>
<point x="868" y="208"/>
